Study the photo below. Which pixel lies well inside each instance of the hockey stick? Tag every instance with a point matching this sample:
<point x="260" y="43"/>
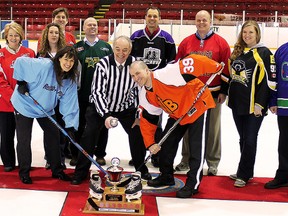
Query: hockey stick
<point x="66" y="134"/>
<point x="189" y="113"/>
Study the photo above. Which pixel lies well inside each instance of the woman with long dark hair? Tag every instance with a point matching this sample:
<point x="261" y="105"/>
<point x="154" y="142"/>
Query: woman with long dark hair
<point x="49" y="82"/>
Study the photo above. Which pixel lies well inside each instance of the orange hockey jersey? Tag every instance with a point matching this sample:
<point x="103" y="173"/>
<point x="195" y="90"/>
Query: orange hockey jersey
<point x="174" y="89"/>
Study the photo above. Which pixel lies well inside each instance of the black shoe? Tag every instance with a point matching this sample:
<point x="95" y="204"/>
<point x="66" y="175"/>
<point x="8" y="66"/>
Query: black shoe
<point x="9" y="168"/>
<point x="130" y="163"/>
<point x="162" y="180"/>
<point x="186" y="192"/>
<point x="62" y="176"/>
<point x="73" y="161"/>
<point x="146" y="176"/>
<point x="26" y="180"/>
<point x="47" y="166"/>
<point x="63" y="165"/>
<point x="67" y="153"/>
<point x="76" y="181"/>
<point x="276" y="183"/>
<point x="101" y="161"/>
<point x="155" y="160"/>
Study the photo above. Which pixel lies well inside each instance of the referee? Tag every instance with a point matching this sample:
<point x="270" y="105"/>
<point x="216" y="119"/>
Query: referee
<point x="114" y="96"/>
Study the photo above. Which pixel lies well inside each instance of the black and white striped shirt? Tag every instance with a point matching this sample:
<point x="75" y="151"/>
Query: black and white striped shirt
<point x="112" y="90"/>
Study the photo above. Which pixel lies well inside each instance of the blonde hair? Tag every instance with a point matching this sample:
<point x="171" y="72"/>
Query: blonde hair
<point x="16" y="27"/>
<point x="240" y="45"/>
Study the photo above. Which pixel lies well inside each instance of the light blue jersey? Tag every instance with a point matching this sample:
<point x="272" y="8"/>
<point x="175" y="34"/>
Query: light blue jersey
<point x="42" y="84"/>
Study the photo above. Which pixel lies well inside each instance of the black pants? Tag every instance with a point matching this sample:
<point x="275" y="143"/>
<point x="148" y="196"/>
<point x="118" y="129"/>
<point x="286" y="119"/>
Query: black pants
<point x="92" y="133"/>
<point x="248" y="127"/>
<point x="282" y="171"/>
<point x="198" y="133"/>
<point x="24" y="135"/>
<point x="63" y="140"/>
<point x="103" y="139"/>
<point x="7" y="134"/>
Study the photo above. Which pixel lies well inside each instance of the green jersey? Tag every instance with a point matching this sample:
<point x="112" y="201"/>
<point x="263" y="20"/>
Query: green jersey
<point x="89" y="56"/>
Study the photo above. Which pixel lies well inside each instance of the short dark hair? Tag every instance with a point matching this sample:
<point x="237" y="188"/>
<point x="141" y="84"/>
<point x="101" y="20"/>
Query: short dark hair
<point x="153" y="8"/>
<point x="58" y="10"/>
<point x="73" y="73"/>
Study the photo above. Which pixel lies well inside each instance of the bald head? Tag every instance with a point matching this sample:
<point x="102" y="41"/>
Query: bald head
<point x="90" y="27"/>
<point x="138" y="65"/>
<point x="202" y="13"/>
<point x="140" y="73"/>
<point x="203" y="22"/>
<point x="88" y="20"/>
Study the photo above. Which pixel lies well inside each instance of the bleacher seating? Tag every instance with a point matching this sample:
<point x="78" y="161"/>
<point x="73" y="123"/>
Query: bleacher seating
<point x="39" y="12"/>
<point x="168" y="7"/>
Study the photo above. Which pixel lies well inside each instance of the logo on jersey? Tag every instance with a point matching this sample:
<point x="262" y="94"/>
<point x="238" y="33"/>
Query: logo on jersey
<point x="91" y="61"/>
<point x="152" y="56"/>
<point x="284" y="71"/>
<point x="79" y="49"/>
<point x="12" y="64"/>
<point x="168" y="105"/>
<point x="239" y="72"/>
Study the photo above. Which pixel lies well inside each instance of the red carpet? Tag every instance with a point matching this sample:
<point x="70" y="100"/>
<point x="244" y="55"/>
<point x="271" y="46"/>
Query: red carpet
<point x="218" y="187"/>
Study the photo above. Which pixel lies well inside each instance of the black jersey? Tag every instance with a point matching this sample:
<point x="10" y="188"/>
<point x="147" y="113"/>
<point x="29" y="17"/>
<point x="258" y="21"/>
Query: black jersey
<point x="156" y="52"/>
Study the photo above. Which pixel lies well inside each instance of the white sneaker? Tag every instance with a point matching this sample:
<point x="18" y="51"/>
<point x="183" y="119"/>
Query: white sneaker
<point x="134" y="188"/>
<point x="95" y="189"/>
<point x="240" y="183"/>
<point x="182" y="167"/>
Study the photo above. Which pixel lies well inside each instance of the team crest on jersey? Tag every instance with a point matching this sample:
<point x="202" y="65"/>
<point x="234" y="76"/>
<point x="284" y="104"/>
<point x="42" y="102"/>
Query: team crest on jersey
<point x="239" y="72"/>
<point x="91" y="61"/>
<point x="152" y="56"/>
<point x="167" y="104"/>
<point x="284" y="71"/>
<point x="79" y="49"/>
<point x="12" y="64"/>
<point x="1" y="54"/>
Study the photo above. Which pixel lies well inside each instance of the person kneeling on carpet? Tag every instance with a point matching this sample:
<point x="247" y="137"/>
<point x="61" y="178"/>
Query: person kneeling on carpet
<point x="175" y="89"/>
<point x="45" y="81"/>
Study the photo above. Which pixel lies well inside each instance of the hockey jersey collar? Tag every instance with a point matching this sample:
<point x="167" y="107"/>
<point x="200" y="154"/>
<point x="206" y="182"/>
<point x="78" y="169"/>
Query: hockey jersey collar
<point x="89" y="43"/>
<point x="151" y="35"/>
<point x="13" y="51"/>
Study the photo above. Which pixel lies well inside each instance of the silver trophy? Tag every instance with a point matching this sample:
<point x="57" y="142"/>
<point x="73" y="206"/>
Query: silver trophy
<point x="114" y="173"/>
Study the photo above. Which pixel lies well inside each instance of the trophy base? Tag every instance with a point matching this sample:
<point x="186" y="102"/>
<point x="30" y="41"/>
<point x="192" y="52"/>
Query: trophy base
<point x="114" y="203"/>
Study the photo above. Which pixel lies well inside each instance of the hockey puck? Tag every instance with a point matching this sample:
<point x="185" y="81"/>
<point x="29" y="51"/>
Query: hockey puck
<point x="114" y="122"/>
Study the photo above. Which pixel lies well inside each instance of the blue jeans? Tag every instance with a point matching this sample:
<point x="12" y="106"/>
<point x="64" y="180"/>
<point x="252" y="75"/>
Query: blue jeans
<point x="248" y="127"/>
